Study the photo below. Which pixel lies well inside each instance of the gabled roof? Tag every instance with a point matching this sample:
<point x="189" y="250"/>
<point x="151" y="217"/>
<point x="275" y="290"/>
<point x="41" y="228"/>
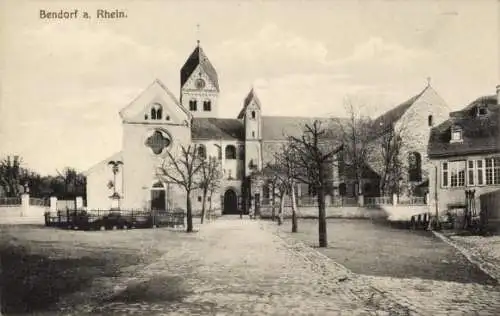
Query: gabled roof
<point x="479" y="134"/>
<point x="217" y="128"/>
<point x="281" y="127"/>
<point x="196" y="58"/>
<point x="386" y="120"/>
<point x="250" y="96"/>
<point x="156" y="82"/>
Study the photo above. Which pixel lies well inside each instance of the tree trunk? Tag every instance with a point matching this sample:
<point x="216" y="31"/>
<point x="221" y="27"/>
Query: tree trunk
<point x="322" y="231"/>
<point x="210" y="203"/>
<point x="280" y="212"/>
<point x="203" y="201"/>
<point x="294" y="210"/>
<point x="189" y="214"/>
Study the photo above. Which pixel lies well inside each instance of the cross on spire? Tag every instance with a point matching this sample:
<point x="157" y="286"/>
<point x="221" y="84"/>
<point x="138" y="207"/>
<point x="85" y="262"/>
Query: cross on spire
<point x="428" y="81"/>
<point x="198" y="34"/>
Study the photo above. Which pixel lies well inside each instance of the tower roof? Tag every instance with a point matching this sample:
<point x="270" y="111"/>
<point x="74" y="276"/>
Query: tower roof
<point x="196" y="58"/>
<point x="250" y="96"/>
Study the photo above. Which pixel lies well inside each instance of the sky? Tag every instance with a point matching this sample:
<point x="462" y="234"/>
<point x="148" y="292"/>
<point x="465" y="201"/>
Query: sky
<point x="63" y="82"/>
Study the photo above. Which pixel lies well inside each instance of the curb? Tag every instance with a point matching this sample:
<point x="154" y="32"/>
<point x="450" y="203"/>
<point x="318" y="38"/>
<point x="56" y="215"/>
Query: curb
<point x="466" y="254"/>
<point x="347" y="274"/>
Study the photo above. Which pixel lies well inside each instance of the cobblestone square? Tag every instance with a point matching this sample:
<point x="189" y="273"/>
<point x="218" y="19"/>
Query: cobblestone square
<point x="236" y="267"/>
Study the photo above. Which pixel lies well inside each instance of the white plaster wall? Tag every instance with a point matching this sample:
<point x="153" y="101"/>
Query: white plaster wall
<point x="97" y="184"/>
<point x="141" y="162"/>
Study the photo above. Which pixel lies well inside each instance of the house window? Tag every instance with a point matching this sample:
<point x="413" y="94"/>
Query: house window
<point x="199" y="198"/>
<point x="253" y="114"/>
<point x="470" y="175"/>
<point x="207" y="106"/>
<point x="202" y="151"/>
<point x="444" y="178"/>
<point x="492" y="170"/>
<point x="480" y="172"/>
<point x="456" y="134"/>
<point x="482" y="110"/>
<point x="415" y="167"/>
<point x="192" y="105"/>
<point x="230" y="152"/>
<point x="156" y="112"/>
<point x="253" y="133"/>
<point x="457" y="173"/>
<point x="429" y="120"/>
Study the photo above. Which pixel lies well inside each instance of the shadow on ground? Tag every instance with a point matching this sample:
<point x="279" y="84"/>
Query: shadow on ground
<point x="381" y="248"/>
<point x="158" y="289"/>
<point x="33" y="283"/>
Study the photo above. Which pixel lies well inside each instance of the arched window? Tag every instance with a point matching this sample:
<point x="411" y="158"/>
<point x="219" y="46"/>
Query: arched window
<point x="202" y="151"/>
<point x="207" y="106"/>
<point x="156" y="112"/>
<point x="253" y="114"/>
<point x="192" y="105"/>
<point x="429" y="120"/>
<point x="415" y="167"/>
<point x="230" y="152"/>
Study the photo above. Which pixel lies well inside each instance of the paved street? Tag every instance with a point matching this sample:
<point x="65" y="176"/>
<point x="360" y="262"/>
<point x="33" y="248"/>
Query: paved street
<point x="230" y="267"/>
<point x="241" y="267"/>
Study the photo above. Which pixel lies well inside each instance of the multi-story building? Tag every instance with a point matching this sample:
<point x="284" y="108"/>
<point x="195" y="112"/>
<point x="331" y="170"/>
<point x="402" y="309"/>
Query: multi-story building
<point x="465" y="154"/>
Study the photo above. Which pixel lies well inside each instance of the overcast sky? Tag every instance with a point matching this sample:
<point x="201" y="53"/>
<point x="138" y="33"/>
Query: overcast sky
<point x="63" y="82"/>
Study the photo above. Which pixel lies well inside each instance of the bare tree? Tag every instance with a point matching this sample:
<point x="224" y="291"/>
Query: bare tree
<point x="209" y="181"/>
<point x="275" y="174"/>
<point x="356" y="134"/>
<point x="184" y="170"/>
<point x="287" y="167"/>
<point x="388" y="150"/>
<point x="314" y="156"/>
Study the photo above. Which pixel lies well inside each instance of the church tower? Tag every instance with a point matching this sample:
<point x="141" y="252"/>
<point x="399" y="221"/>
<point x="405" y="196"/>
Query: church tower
<point x="199" y="85"/>
<point x="251" y="115"/>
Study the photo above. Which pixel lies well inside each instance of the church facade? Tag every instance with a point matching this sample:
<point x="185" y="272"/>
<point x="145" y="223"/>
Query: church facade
<point x="157" y="121"/>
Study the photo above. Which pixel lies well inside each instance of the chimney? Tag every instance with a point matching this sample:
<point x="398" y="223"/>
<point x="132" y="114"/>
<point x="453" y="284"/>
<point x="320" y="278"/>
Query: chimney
<point x="498" y="94"/>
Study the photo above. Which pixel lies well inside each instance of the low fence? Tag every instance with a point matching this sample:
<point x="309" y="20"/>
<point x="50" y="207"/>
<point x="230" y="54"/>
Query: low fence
<point x="310" y="201"/>
<point x="350" y="212"/>
<point x="10" y="201"/>
<point x="114" y="219"/>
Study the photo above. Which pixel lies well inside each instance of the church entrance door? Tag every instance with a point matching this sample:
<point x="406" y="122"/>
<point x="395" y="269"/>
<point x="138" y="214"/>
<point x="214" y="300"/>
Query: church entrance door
<point x="230" y="202"/>
<point x="158" y="197"/>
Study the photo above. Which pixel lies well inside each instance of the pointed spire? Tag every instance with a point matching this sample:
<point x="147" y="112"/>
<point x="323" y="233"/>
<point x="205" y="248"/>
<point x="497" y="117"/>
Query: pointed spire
<point x="198" y="34"/>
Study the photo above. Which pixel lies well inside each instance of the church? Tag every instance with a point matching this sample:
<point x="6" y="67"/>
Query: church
<point x="157" y="122"/>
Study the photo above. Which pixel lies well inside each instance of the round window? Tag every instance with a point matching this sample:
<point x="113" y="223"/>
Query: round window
<point x="200" y="84"/>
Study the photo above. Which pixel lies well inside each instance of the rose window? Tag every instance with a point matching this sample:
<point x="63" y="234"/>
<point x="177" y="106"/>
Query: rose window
<point x="157" y="142"/>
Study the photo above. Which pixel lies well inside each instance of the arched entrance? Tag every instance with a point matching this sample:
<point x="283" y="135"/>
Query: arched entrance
<point x="158" y="196"/>
<point x="230" y="202"/>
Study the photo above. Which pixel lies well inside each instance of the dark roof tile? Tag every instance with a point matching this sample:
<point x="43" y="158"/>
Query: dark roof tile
<point x="196" y="58"/>
<point x="282" y="127"/>
<point x="480" y="134"/>
<point x="217" y="128"/>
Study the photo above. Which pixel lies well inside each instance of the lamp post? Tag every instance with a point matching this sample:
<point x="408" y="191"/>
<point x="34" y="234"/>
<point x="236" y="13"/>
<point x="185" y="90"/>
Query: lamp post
<point x="115" y="197"/>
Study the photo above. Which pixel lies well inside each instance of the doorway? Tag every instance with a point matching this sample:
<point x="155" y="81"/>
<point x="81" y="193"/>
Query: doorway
<point x="158" y="197"/>
<point x="230" y="202"/>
